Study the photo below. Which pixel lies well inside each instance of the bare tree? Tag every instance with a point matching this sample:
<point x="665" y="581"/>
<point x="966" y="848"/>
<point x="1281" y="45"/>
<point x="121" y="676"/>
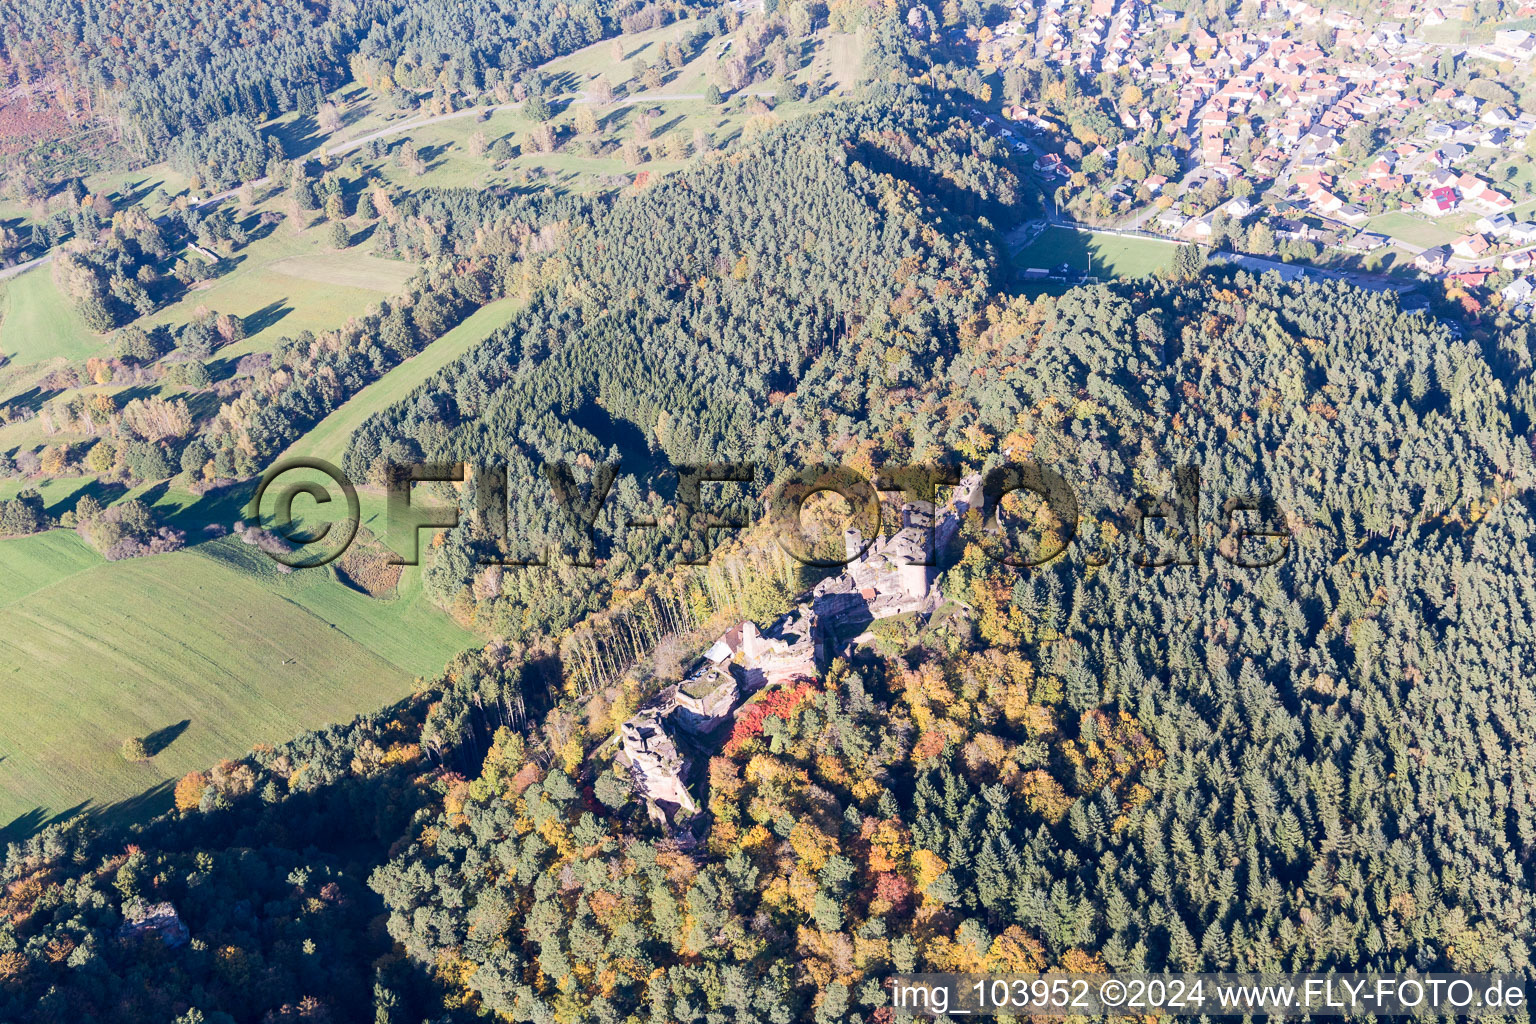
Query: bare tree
<point x="330" y="118"/>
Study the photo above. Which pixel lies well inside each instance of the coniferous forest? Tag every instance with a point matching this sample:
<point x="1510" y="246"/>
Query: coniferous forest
<point x="165" y="71"/>
<point x="1140" y="755"/>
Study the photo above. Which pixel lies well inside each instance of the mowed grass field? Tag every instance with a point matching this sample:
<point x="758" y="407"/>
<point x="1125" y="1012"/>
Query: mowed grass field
<point x="38" y="325"/>
<point x="1414" y="229"/>
<point x="286" y="283"/>
<point x="329" y="438"/>
<point x="210" y="647"/>
<point x="1097" y="253"/>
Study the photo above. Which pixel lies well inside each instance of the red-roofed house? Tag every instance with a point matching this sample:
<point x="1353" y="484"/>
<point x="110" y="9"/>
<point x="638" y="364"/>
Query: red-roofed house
<point x="1442" y="200"/>
<point x="1470" y="247"/>
<point x="1470" y="278"/>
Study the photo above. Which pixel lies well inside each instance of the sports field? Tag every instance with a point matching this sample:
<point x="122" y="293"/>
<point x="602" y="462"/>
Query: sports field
<point x="1414" y="229"/>
<point x="1097" y="253"/>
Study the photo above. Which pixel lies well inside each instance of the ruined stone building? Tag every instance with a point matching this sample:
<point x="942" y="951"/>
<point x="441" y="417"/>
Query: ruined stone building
<point x="891" y="577"/>
<point x="896" y="574"/>
<point x="788" y="650"/>
<point x="158" y="922"/>
<point x="655" y="764"/>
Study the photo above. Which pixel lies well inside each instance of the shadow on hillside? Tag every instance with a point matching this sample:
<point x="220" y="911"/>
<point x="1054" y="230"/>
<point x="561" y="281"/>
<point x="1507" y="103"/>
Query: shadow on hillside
<point x="135" y="809"/>
<point x="153" y="494"/>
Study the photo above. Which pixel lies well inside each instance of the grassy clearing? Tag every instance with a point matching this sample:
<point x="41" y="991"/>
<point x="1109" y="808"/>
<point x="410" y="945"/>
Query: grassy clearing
<point x="349" y="269"/>
<point x="37" y="324"/>
<point x="211" y="636"/>
<point x="130" y="188"/>
<point x="285" y="283"/>
<point x="329" y="438"/>
<point x="1103" y="255"/>
<point x="1413" y="229"/>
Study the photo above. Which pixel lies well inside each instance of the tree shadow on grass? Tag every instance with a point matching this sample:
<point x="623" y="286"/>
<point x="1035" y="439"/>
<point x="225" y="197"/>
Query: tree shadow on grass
<point x="32" y="399"/>
<point x="218" y="506"/>
<point x="147" y="805"/>
<point x="258" y="229"/>
<point x="266" y="316"/>
<point x="134" y="194"/>
<point x="203" y="404"/>
<point x="160" y="739"/>
<point x="24" y="826"/>
<point x="666" y="126"/>
<point x="434" y="156"/>
<point x="297" y="137"/>
<point x="105" y="493"/>
<point x="155" y="492"/>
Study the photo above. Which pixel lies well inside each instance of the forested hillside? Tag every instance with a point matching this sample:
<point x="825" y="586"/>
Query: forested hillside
<point x="164" y="72"/>
<point x="1138" y="755"/>
<point x="1310" y="766"/>
<point x="752" y="309"/>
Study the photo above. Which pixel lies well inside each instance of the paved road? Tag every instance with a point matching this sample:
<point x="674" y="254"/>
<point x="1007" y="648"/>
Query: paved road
<point x="22" y="268"/>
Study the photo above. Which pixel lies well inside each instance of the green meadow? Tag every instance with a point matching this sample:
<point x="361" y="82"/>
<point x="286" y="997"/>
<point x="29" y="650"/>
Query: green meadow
<point x="38" y="325"/>
<point x="328" y="440"/>
<point x="206" y="651"/>
<point x="1097" y="253"/>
